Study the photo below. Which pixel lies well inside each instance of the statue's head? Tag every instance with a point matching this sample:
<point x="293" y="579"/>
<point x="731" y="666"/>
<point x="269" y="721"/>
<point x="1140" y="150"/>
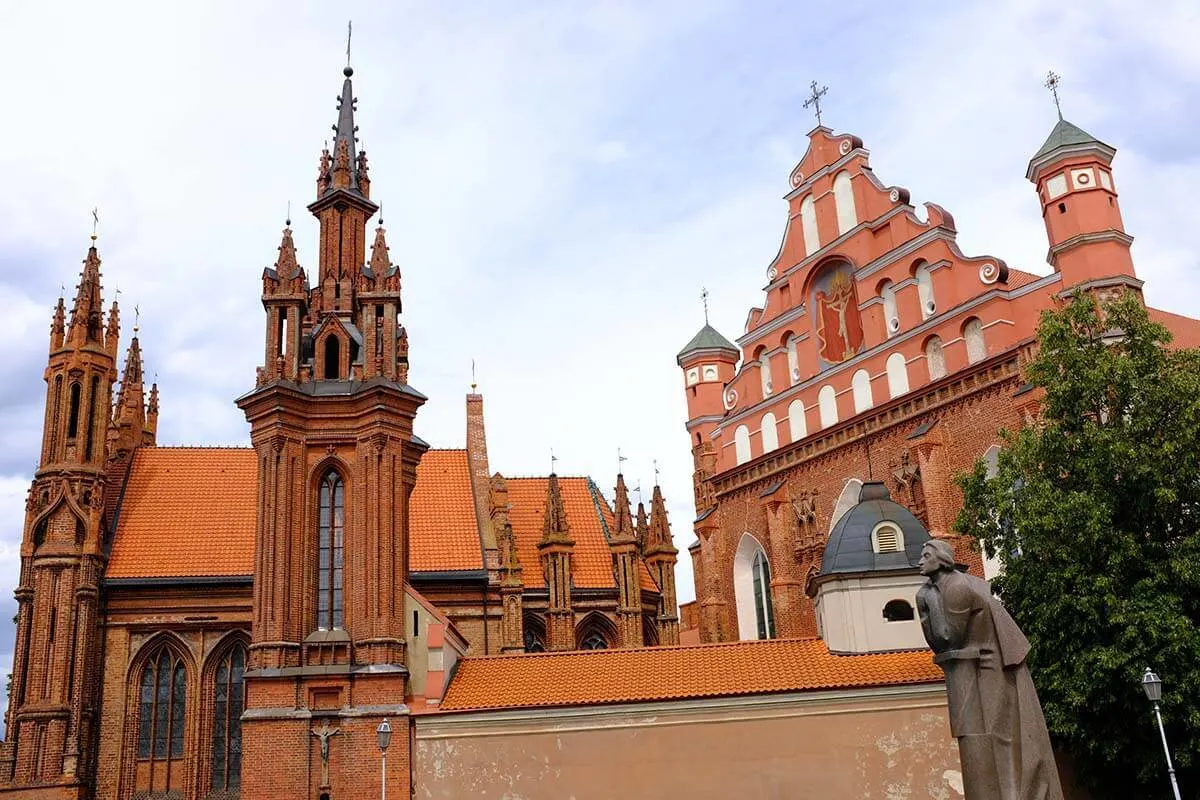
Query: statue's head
<point x="936" y="556"/>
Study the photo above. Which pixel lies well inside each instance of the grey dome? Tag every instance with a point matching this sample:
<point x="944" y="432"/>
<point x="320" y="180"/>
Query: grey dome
<point x="849" y="548"/>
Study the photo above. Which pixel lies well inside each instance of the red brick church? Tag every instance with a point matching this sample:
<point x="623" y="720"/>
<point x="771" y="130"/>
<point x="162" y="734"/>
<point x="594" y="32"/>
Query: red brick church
<point x="193" y="622"/>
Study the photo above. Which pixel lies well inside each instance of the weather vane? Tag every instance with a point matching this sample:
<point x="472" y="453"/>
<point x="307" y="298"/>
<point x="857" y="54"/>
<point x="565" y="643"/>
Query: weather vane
<point x="137" y="316"/>
<point x="473" y="384"/>
<point x="1052" y="81"/>
<point x="95" y="221"/>
<point x="620" y="460"/>
<point x="704" y="299"/>
<point x="656" y="472"/>
<point x="815" y="100"/>
<point x="553" y="459"/>
<point x="349" y="32"/>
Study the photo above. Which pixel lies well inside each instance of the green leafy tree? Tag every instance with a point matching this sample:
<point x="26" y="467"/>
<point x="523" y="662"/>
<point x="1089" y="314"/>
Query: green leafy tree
<point x="1094" y="512"/>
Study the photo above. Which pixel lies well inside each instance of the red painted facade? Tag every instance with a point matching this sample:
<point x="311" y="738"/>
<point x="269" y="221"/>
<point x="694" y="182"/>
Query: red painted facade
<point x="880" y="351"/>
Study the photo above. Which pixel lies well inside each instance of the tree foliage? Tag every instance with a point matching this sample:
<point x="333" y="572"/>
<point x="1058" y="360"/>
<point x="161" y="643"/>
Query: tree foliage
<point x="1094" y="513"/>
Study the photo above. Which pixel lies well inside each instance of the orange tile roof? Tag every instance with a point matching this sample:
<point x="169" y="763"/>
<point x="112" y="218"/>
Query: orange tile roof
<point x="1184" y="330"/>
<point x="591" y="677"/>
<point x="443" y="533"/>
<point x="186" y="512"/>
<point x="591" y="563"/>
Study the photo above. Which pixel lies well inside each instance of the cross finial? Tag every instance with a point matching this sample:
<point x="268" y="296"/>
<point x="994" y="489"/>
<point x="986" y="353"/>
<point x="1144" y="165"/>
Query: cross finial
<point x="349" y="32"/>
<point x="1052" y="81"/>
<point x="655" y="472"/>
<point x="704" y="299"/>
<point x="137" y="315"/>
<point x="95" y="221"/>
<point x="815" y="100"/>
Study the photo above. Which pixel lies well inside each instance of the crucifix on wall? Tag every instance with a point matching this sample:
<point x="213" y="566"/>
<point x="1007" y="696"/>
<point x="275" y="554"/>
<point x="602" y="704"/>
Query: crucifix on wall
<point x="324" y="734"/>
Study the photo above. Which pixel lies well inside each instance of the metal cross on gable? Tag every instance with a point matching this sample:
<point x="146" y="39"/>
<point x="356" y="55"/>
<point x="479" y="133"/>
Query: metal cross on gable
<point x="815" y="100"/>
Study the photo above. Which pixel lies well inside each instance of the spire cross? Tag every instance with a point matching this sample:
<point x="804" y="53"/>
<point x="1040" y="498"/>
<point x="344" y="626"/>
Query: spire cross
<point x="95" y="221"/>
<point x="656" y="472"/>
<point x="1052" y="81"/>
<point x="815" y="100"/>
<point x="704" y="299"/>
<point x="137" y="315"/>
<point x="349" y="32"/>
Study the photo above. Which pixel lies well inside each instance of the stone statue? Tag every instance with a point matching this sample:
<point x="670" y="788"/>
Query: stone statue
<point x="994" y="710"/>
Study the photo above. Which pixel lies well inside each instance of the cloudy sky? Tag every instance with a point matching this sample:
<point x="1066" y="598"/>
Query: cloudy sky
<point x="559" y="179"/>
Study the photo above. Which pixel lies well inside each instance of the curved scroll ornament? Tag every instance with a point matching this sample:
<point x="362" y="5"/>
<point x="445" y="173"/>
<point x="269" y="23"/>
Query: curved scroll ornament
<point x="991" y="272"/>
<point x="730" y="399"/>
<point x="796" y="178"/>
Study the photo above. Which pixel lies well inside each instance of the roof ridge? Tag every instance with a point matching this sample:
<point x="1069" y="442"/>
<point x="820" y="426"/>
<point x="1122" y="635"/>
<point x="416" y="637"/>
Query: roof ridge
<point x="672" y="647"/>
<point x="197" y="447"/>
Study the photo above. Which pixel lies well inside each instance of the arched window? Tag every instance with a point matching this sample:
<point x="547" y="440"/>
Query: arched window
<point x="891" y="316"/>
<point x="162" y="702"/>
<point x="808" y="224"/>
<point x="752" y="590"/>
<point x="741" y="444"/>
<point x="73" y="416"/>
<point x="764" y="611"/>
<point x="797" y="424"/>
<point x="764" y="373"/>
<point x="973" y="335"/>
<point x="793" y="361"/>
<point x="861" y="386"/>
<point x="898" y="611"/>
<point x="843" y="198"/>
<point x="535" y="634"/>
<point x="887" y="538"/>
<point x="330" y="535"/>
<point x="333" y="358"/>
<point x="229" y="700"/>
<point x="897" y="375"/>
<point x="935" y="358"/>
<point x="827" y="405"/>
<point x="925" y="291"/>
<point x="769" y="432"/>
<point x="594" y="641"/>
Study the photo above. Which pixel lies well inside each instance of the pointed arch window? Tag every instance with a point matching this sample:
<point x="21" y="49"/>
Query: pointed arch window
<point x="162" y="701"/>
<point x="594" y="641"/>
<point x="330" y="539"/>
<point x="73" y="416"/>
<point x="764" y="611"/>
<point x="229" y="700"/>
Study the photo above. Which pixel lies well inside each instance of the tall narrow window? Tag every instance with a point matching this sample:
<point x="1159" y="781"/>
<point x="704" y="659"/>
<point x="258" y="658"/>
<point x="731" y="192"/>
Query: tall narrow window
<point x="797" y="425"/>
<point x="764" y="612"/>
<point x="769" y="432"/>
<point x="861" y="386"/>
<point x="925" y="291"/>
<point x="827" y="406"/>
<point x="91" y="433"/>
<point x="333" y="357"/>
<point x="897" y="375"/>
<point x="808" y="226"/>
<point x="741" y="444"/>
<point x="73" y="417"/>
<point x="843" y="199"/>
<point x="228" y="704"/>
<point x="976" y="347"/>
<point x="162" y="701"/>
<point x="329" y="561"/>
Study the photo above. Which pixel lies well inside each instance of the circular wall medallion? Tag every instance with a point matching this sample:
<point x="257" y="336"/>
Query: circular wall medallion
<point x="989" y="273"/>
<point x="1083" y="178"/>
<point x="844" y="147"/>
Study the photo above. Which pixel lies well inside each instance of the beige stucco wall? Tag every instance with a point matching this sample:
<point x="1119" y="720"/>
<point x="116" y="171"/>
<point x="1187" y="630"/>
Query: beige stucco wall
<point x="886" y="743"/>
<point x="850" y="613"/>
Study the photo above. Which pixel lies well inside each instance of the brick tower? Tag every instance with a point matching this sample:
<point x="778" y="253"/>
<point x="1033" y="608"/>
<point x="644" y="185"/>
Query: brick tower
<point x="331" y="421"/>
<point x="53" y="699"/>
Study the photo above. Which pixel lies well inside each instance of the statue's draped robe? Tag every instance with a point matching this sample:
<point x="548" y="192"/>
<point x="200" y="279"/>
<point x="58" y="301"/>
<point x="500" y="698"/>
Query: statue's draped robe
<point x="994" y="711"/>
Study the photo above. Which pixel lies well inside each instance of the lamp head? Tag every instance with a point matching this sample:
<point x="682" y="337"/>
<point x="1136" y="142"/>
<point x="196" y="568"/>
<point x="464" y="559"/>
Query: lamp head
<point x="383" y="735"/>
<point x="1152" y="686"/>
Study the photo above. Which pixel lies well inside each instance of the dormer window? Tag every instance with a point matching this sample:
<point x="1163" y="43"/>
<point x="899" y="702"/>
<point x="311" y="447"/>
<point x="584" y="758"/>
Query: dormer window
<point x="887" y="538"/>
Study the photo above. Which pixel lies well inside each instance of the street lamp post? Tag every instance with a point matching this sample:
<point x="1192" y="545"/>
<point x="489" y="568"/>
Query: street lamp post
<point x="1152" y="685"/>
<point x="383" y="734"/>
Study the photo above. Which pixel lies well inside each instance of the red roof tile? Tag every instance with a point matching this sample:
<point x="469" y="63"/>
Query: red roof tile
<point x="443" y="533"/>
<point x="1184" y="330"/>
<point x="670" y="673"/>
<point x="186" y="512"/>
<point x="591" y="563"/>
